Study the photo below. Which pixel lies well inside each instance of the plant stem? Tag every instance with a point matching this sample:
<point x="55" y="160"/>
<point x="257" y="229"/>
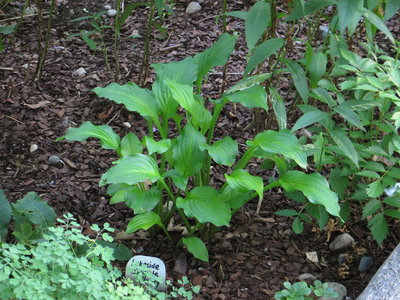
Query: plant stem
<point x="146" y="51"/>
<point x="244" y="160"/>
<point x="117" y="30"/>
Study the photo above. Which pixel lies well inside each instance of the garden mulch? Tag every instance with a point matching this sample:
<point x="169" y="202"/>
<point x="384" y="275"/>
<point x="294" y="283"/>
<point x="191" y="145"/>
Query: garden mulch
<point x="250" y="259"/>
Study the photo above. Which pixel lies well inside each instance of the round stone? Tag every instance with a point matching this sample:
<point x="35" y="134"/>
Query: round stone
<point x="54" y="160"/>
<point x="341" y="242"/>
<point x="193" y="7"/>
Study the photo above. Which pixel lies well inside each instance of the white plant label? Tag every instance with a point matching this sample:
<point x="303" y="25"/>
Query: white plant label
<point x="154" y="264"/>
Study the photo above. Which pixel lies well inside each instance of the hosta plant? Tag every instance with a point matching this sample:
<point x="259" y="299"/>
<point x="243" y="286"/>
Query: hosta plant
<point x="166" y="176"/>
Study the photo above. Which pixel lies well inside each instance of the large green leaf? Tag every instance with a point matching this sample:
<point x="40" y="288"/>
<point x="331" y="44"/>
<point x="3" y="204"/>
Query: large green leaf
<point x="282" y="142"/>
<point x="302" y="8"/>
<point x="317" y="67"/>
<point x="159" y="147"/>
<point x="35" y="209"/>
<point x="132" y="170"/>
<point x="299" y="78"/>
<point x="133" y="97"/>
<point x="314" y="187"/>
<point x="257" y="20"/>
<point x="349" y="14"/>
<point x="141" y="201"/>
<point x="130" y="144"/>
<point x="309" y="118"/>
<point x="108" y="138"/>
<point x="378" y="23"/>
<point x="392" y="6"/>
<point x="279" y="108"/>
<point x="235" y="198"/>
<point x="349" y="115"/>
<point x="298" y="10"/>
<point x="144" y="221"/>
<point x="248" y="82"/>
<point x="345" y="145"/>
<point x="206" y="205"/>
<point x="217" y="55"/>
<point x="222" y="151"/>
<point x="187" y="156"/>
<point x="242" y="181"/>
<point x="255" y="96"/>
<point x="197" y="247"/>
<point x="262" y="52"/>
<point x="183" y="94"/>
<point x="5" y="215"/>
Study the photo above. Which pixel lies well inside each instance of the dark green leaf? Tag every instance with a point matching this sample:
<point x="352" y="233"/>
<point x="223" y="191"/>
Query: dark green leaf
<point x="262" y="52"/>
<point x="235" y="198"/>
<point x="309" y="118"/>
<point x="394" y="213"/>
<point x="379" y="227"/>
<point x="243" y="182"/>
<point x="371" y="207"/>
<point x="369" y="174"/>
<point x="257" y="20"/>
<point x="349" y="115"/>
<point x="141" y="201"/>
<point x="279" y="108"/>
<point x="159" y="147"/>
<point x="5" y="215"/>
<point x="297" y="226"/>
<point x="287" y="213"/>
<point x="144" y="221"/>
<point x="8" y="29"/>
<point x="375" y="189"/>
<point x="392" y="6"/>
<point x="378" y="23"/>
<point x="197" y="247"/>
<point x="317" y="67"/>
<point x="299" y="78"/>
<point x="345" y="145"/>
<point x="252" y="97"/>
<point x="392" y="201"/>
<point x="349" y="14"/>
<point x="222" y="151"/>
<point x="130" y="144"/>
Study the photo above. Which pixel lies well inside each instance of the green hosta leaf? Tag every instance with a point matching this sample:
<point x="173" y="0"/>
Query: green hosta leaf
<point x="392" y="6"/>
<point x="133" y="97"/>
<point x="179" y="180"/>
<point x="392" y="201"/>
<point x="299" y="78"/>
<point x="132" y="170"/>
<point x="237" y="14"/>
<point x="317" y="67"/>
<point x="248" y="82"/>
<point x="183" y="94"/>
<point x="349" y="14"/>
<point x="297" y="226"/>
<point x="279" y="108"/>
<point x="309" y="118"/>
<point x="187" y="156"/>
<point x="255" y="96"/>
<point x="243" y="182"/>
<point x="349" y="115"/>
<point x="262" y="52"/>
<point x="206" y="205"/>
<point x="235" y="198"/>
<point x="157" y="147"/>
<point x="8" y="29"/>
<point x="375" y="189"/>
<point x="142" y="201"/>
<point x="184" y="71"/>
<point x="345" y="145"/>
<point x="287" y="213"/>
<point x="5" y="215"/>
<point x="314" y="187"/>
<point x="371" y="207"/>
<point x="35" y="209"/>
<point x="282" y="142"/>
<point x="130" y="144"/>
<point x="168" y="106"/>
<point x="144" y="221"/>
<point x="223" y="151"/>
<point x="217" y="55"/>
<point x="197" y="247"/>
<point x="109" y="139"/>
<point x="379" y="227"/>
<point x="378" y="23"/>
<point x="257" y="20"/>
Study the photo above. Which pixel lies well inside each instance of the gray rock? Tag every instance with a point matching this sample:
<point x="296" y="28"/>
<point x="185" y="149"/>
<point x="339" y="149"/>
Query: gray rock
<point x="340" y="289"/>
<point x="54" y="160"/>
<point x="193" y="7"/>
<point x="111" y="12"/>
<point x="341" y="242"/>
<point x="342" y="259"/>
<point x="306" y="276"/>
<point x="80" y="72"/>
<point x="366" y="263"/>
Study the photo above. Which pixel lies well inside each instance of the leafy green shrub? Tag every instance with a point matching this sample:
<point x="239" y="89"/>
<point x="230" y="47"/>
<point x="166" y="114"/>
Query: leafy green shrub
<point x="30" y="215"/>
<point x="181" y="166"/>
<point x="65" y="264"/>
<point x="301" y="291"/>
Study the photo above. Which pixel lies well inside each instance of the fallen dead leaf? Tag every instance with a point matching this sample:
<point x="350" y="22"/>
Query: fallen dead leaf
<point x="40" y="104"/>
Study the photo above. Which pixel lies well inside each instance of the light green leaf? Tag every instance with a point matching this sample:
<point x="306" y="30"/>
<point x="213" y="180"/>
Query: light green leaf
<point x="392" y="6"/>
<point x="206" y="205"/>
<point x="369" y="174"/>
<point x="243" y="182"/>
<point x="297" y="226"/>
<point x="299" y="78"/>
<point x="309" y="118"/>
<point x="141" y="201"/>
<point x="282" y="142"/>
<point x="5" y="215"/>
<point x="314" y="187"/>
<point x="108" y="138"/>
<point x="248" y="82"/>
<point x="130" y="144"/>
<point x="179" y="180"/>
<point x="197" y="247"/>
<point x="345" y="145"/>
<point x="371" y="207"/>
<point x="8" y="29"/>
<point x="222" y="151"/>
<point x="255" y="96"/>
<point x="349" y="115"/>
<point x="349" y="14"/>
<point x="379" y="227"/>
<point x="298" y="10"/>
<point x="262" y="52"/>
<point x="392" y="201"/>
<point x="159" y="147"/>
<point x="237" y="14"/>
<point x="317" y="67"/>
<point x="187" y="156"/>
<point x="132" y="170"/>
<point x="378" y="23"/>
<point x="235" y="198"/>
<point x="37" y="210"/>
<point x="257" y="20"/>
<point x="279" y="108"/>
<point x="375" y="189"/>
<point x="133" y="97"/>
<point x="217" y="55"/>
<point x="144" y="221"/>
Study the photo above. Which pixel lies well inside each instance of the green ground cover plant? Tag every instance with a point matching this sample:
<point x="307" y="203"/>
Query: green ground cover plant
<point x="302" y="291"/>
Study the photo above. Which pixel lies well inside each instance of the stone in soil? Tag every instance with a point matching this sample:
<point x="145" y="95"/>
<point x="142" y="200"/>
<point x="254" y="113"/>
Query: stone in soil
<point x="341" y="242"/>
<point x="366" y="263"/>
<point x="54" y="160"/>
<point x="340" y="289"/>
<point x="193" y="7"/>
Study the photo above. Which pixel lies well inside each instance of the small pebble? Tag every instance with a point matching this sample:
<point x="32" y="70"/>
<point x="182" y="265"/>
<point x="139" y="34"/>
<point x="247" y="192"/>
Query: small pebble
<point x="107" y="7"/>
<point x="80" y="72"/>
<point x="342" y="259"/>
<point x="193" y="7"/>
<point x="139" y="250"/>
<point x="341" y="242"/>
<point x="33" y="148"/>
<point x="306" y="276"/>
<point x="54" y="160"/>
<point x="127" y="124"/>
<point x="340" y="289"/>
<point x="366" y="263"/>
<point x="111" y="12"/>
